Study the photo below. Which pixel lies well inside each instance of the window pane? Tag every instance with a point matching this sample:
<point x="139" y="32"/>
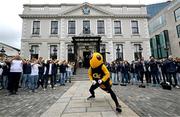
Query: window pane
<point x="35" y="49"/>
<point x="134" y="27"/>
<point x="86" y="27"/>
<point x="36" y="27"/>
<point x="71" y="27"/>
<point x="54" y="27"/>
<point x="100" y="27"/>
<point x="117" y="27"/>
<point x="177" y="14"/>
<point x="178" y="30"/>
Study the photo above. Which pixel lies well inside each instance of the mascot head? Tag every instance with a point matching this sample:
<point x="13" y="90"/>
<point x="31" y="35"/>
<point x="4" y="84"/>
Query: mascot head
<point x="96" y="60"/>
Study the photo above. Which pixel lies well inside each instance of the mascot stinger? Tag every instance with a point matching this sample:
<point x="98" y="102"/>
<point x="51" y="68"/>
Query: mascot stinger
<point x="100" y="77"/>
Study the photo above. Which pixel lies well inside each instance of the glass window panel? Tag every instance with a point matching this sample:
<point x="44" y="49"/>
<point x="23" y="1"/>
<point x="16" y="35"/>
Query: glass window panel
<point x="86" y="27"/>
<point x="71" y="27"/>
<point x="134" y="25"/>
<point x="36" y="27"/>
<point x="54" y="27"/>
<point x="178" y="30"/>
<point x="117" y="27"/>
<point x="177" y="14"/>
<point x="100" y="27"/>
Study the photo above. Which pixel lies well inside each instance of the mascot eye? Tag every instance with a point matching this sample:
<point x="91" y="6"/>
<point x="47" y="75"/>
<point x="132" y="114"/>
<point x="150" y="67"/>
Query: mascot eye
<point x="98" y="57"/>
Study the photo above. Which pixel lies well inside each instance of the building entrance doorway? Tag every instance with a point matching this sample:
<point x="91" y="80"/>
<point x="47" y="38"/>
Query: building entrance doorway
<point x="86" y="57"/>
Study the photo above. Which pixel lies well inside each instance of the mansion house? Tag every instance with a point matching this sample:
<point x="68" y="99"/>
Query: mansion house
<point x="73" y="31"/>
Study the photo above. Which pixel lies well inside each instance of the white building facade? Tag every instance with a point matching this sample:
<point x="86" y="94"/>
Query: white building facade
<point x="47" y="31"/>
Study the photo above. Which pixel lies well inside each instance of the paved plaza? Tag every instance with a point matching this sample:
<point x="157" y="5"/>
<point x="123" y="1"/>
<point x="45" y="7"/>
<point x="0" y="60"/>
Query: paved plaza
<point x="70" y="101"/>
<point x="74" y="103"/>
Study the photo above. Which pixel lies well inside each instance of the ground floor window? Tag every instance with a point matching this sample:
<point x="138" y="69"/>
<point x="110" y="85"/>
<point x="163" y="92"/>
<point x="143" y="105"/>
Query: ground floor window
<point x="53" y="52"/>
<point x="119" y="52"/>
<point x="34" y="51"/>
<point x="137" y="51"/>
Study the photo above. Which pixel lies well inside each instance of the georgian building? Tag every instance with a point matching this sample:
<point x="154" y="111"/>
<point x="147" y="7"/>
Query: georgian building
<point x="73" y="31"/>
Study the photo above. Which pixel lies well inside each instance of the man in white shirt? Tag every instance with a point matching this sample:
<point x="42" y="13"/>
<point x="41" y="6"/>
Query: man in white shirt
<point x="15" y="74"/>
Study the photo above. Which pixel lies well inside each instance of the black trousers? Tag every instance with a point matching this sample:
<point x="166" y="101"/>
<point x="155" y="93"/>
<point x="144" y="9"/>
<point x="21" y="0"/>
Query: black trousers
<point x="170" y="75"/>
<point x="107" y="89"/>
<point x="13" y="81"/>
<point x="40" y="80"/>
<point x="51" y="80"/>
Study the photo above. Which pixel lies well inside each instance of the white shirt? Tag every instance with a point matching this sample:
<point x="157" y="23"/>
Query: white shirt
<point x="1" y="64"/>
<point x="50" y="69"/>
<point x="34" y="69"/>
<point x="16" y="66"/>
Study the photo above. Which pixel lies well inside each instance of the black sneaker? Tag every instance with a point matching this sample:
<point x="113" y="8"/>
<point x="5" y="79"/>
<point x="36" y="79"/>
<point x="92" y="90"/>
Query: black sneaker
<point x="118" y="109"/>
<point x="90" y="97"/>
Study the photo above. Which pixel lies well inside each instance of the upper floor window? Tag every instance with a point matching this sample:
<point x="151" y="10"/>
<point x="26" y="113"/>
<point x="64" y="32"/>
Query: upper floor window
<point x="54" y="27"/>
<point x="178" y="30"/>
<point x="117" y="27"/>
<point x="100" y="27"/>
<point x="71" y="27"/>
<point x="134" y="25"/>
<point x="86" y="27"/>
<point x="177" y="14"/>
<point x="36" y="27"/>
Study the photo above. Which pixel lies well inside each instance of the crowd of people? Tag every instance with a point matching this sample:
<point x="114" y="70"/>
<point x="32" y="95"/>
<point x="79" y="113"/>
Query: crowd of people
<point x="32" y="74"/>
<point x="146" y="72"/>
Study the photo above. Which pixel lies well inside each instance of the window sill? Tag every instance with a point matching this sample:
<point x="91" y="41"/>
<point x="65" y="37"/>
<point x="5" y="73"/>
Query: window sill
<point x="35" y="35"/>
<point x="118" y="34"/>
<point x="101" y="34"/>
<point x="135" y="35"/>
<point x="53" y="35"/>
<point x="70" y="35"/>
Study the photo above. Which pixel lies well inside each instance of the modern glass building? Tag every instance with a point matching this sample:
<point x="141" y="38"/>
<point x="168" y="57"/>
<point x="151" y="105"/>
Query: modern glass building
<point x="164" y="29"/>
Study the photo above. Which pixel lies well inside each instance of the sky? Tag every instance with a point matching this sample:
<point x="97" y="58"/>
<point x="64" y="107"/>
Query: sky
<point x="11" y="23"/>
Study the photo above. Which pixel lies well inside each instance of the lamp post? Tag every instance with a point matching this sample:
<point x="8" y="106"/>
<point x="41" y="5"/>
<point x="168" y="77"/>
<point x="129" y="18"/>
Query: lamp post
<point x="55" y="53"/>
<point x="118" y="51"/>
<point x="140" y="51"/>
<point x="103" y="51"/>
<point x="2" y="50"/>
<point x="31" y="52"/>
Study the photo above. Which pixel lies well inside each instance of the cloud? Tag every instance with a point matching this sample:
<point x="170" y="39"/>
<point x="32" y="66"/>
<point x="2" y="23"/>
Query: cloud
<point x="10" y="36"/>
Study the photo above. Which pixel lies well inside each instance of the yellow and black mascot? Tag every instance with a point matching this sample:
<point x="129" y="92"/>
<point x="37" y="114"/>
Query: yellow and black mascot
<point x="100" y="77"/>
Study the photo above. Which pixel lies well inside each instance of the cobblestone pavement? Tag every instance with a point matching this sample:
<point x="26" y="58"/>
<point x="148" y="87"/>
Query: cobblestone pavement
<point x="150" y="101"/>
<point x="28" y="104"/>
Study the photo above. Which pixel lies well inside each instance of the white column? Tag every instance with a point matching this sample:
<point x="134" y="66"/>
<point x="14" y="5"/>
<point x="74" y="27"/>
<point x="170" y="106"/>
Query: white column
<point x="44" y="50"/>
<point x="146" y="52"/>
<point x="109" y="48"/>
<point x="62" y="50"/>
<point x="128" y="51"/>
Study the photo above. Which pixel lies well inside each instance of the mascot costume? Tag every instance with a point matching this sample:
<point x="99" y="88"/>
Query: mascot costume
<point x="100" y="77"/>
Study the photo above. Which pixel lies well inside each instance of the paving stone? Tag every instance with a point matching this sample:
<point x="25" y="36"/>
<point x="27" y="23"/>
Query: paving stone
<point x="83" y="104"/>
<point x="55" y="110"/>
<point x="87" y="114"/>
<point x="99" y="109"/>
<point x="75" y="110"/>
<point x="109" y="114"/>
